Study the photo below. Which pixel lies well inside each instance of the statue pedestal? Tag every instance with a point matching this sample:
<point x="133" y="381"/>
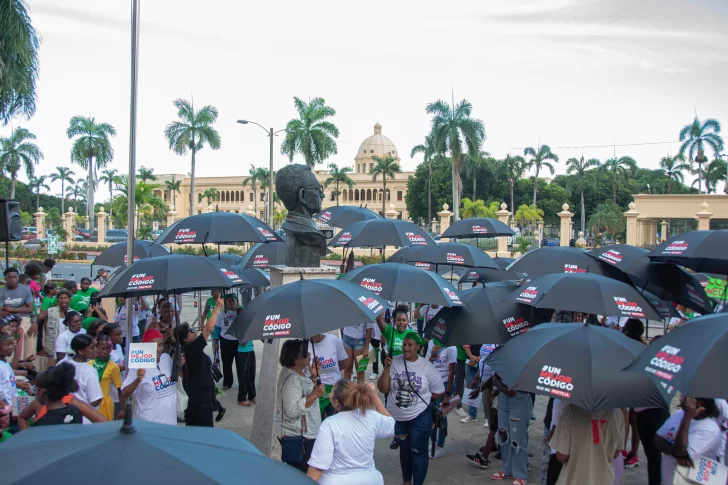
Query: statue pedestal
<point x="263" y="434"/>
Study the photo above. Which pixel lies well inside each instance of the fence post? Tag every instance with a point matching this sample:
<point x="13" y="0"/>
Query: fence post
<point x="631" y="231"/>
<point x="70" y="222"/>
<point x="704" y="217"/>
<point x="101" y="224"/>
<point x="503" y="216"/>
<point x="171" y="216"/>
<point x="40" y="223"/>
<point x="445" y="216"/>
<point x="391" y="213"/>
<point x="663" y="231"/>
<point x="565" y="229"/>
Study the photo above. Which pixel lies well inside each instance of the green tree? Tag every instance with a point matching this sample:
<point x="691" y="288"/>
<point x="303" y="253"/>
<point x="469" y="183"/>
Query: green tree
<point x="18" y="152"/>
<point x="210" y="194"/>
<point x="513" y="166"/>
<point x="256" y="177"/>
<point x="191" y="133"/>
<point x="386" y="166"/>
<point x="77" y="191"/>
<point x="64" y="175"/>
<point x="607" y="217"/>
<point x="714" y="173"/>
<point x="455" y="132"/>
<point x="618" y="170"/>
<point x="91" y="144"/>
<point x="428" y="151"/>
<point x="310" y="135"/>
<point x="38" y="183"/>
<point x="109" y="176"/>
<point x="19" y="67"/>
<point x="441" y="182"/>
<point x="584" y="179"/>
<point x="146" y="174"/>
<point x="174" y="187"/>
<point x="695" y="137"/>
<point x="338" y="176"/>
<point x="478" y="208"/>
<point x="674" y="168"/>
<point x="144" y="198"/>
<point x="538" y="161"/>
<point x="528" y="214"/>
<point x="279" y="216"/>
<point x="264" y="185"/>
<point x="474" y="164"/>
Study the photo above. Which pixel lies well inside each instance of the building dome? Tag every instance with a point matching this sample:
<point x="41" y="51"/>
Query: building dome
<point x="376" y="144"/>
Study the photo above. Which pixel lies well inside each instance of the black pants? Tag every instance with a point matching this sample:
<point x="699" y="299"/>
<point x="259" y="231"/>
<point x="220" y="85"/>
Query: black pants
<point x="307" y="449"/>
<point x="375" y="365"/>
<point x="648" y="422"/>
<point x="199" y="413"/>
<point x="554" y="470"/>
<point x="245" y="364"/>
<point x="228" y="351"/>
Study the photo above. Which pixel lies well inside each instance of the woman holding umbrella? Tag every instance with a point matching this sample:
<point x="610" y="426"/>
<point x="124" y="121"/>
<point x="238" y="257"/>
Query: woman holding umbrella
<point x="415" y="383"/>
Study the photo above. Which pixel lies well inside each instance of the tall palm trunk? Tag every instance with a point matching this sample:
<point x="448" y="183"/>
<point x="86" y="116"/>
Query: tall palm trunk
<point x="384" y="196"/>
<point x="337" y="193"/>
<point x="90" y="196"/>
<point x="583" y="214"/>
<point x="669" y="185"/>
<point x="474" y="180"/>
<point x="700" y="175"/>
<point x="111" y="206"/>
<point x="535" y="185"/>
<point x="513" y="184"/>
<point x="192" y="183"/>
<point x="614" y="192"/>
<point x="37" y="199"/>
<point x="63" y="197"/>
<point x="255" y="200"/>
<point x="12" y="186"/>
<point x="429" y="192"/>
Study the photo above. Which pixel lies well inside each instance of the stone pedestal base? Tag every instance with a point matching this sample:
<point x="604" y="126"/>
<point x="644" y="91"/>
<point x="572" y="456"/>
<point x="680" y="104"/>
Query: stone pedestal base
<point x="263" y="434"/>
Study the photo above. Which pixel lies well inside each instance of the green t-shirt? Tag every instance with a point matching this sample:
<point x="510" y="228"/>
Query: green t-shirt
<point x="84" y="296"/>
<point x="394" y="338"/>
<point x="461" y="354"/>
<point x="48" y="302"/>
<point x="86" y="322"/>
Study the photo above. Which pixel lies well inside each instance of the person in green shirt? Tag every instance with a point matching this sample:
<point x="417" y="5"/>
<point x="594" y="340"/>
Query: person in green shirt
<point x="86" y="291"/>
<point x="394" y="335"/>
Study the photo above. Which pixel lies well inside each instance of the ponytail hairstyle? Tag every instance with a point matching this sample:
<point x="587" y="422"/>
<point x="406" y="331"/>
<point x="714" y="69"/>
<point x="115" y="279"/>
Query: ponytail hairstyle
<point x="400" y="309"/>
<point x="60" y="381"/>
<point x="109" y="328"/>
<point x="352" y="396"/>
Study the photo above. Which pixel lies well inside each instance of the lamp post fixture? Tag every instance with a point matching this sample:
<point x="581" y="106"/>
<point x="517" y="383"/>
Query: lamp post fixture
<point x="269" y="131"/>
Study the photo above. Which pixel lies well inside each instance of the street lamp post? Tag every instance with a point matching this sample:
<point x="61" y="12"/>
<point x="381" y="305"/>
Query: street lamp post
<point x="269" y="131"/>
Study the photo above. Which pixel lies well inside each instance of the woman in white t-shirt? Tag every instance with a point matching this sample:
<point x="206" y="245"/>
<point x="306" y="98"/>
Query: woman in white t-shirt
<point x="688" y="434"/>
<point x="412" y="383"/>
<point x="73" y="328"/>
<point x="331" y="355"/>
<point x="344" y="449"/>
<point x="89" y="389"/>
<point x="357" y="339"/>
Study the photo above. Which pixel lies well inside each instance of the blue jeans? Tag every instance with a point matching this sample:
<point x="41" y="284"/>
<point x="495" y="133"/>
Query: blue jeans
<point x="470" y="373"/>
<point x="514" y="417"/>
<point x="440" y="434"/>
<point x="413" y="437"/>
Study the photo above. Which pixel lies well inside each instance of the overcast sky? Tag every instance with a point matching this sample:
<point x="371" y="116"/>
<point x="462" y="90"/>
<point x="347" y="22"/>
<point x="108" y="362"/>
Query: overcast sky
<point x="568" y="73"/>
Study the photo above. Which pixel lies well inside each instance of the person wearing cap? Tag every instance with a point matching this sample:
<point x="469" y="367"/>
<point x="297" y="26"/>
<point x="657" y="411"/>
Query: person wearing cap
<point x="227" y="344"/>
<point x="54" y="323"/>
<point x="413" y="383"/>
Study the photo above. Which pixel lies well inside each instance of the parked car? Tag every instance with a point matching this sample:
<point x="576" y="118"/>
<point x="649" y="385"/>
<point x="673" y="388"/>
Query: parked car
<point x="83" y="235"/>
<point x="115" y="235"/>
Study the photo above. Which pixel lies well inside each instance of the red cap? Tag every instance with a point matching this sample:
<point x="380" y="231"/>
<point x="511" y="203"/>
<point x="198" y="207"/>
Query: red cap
<point x="151" y="334"/>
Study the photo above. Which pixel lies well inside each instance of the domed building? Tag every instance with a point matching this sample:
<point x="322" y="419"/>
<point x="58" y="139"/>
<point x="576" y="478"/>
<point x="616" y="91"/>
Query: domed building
<point x="375" y="145"/>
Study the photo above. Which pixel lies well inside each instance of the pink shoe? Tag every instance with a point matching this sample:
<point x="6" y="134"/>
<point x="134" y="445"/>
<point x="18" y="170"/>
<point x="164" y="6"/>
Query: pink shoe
<point x="500" y="476"/>
<point x="519" y="481"/>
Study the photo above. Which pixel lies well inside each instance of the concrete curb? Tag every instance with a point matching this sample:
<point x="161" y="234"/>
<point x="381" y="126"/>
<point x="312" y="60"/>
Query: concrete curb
<point x="78" y="261"/>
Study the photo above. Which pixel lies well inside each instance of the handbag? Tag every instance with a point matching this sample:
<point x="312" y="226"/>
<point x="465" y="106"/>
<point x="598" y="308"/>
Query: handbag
<point x="292" y="447"/>
<point x="706" y="470"/>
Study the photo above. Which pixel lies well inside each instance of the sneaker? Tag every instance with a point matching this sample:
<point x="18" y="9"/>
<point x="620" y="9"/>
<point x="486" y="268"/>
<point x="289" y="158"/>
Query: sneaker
<point x="485" y="424"/>
<point x="632" y="462"/>
<point x="461" y="412"/>
<point x="519" y="481"/>
<point x="439" y="452"/>
<point x="468" y="419"/>
<point x="394" y="444"/>
<point x="478" y="461"/>
<point x="220" y="414"/>
<point x="374" y="377"/>
<point x="500" y="476"/>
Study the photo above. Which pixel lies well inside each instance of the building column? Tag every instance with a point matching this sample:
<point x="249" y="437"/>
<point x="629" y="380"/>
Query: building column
<point x="631" y="231"/>
<point x="503" y="215"/>
<point x="565" y="230"/>
<point x="391" y="213"/>
<point x="663" y="231"/>
<point x="70" y="224"/>
<point x="40" y="223"/>
<point x="101" y="224"/>
<point x="540" y="233"/>
<point x="171" y="216"/>
<point x="445" y="216"/>
<point x="704" y="217"/>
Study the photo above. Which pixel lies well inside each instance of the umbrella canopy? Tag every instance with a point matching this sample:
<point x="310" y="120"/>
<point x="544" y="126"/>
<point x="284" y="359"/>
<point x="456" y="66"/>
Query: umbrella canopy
<point x="176" y="273"/>
<point x="450" y="253"/>
<point x="585" y="292"/>
<point x="484" y="275"/>
<point x="263" y="255"/>
<point x="154" y="453"/>
<point x="402" y="282"/>
<point x="252" y="277"/>
<point x="487" y="318"/>
<point x="691" y="358"/>
<point x="382" y="232"/>
<point x="503" y="263"/>
<point x="478" y="227"/>
<point x="702" y="251"/>
<point x="227" y="258"/>
<point x="218" y="228"/>
<point x="579" y="363"/>
<point x="343" y="216"/>
<point x="306" y="308"/>
<point x="115" y="255"/>
<point x="663" y="307"/>
<point x="560" y="259"/>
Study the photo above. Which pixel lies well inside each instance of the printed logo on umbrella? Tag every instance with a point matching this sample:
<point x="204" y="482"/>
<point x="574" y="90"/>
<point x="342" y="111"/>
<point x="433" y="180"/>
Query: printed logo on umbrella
<point x="260" y="261"/>
<point x="528" y="295"/>
<point x="276" y="326"/>
<point x="325" y="216"/>
<point x="425" y="266"/>
<point x="185" y="235"/>
<point x="480" y="230"/>
<point x="553" y="381"/>
<point x="454" y="258"/>
<point x="140" y="281"/>
<point x="694" y="296"/>
<point x="266" y="233"/>
<point x="572" y="268"/>
<point x="676" y="247"/>
<point x="345" y="237"/>
<point x="371" y="303"/>
<point x="232" y="276"/>
<point x="372" y="285"/>
<point x="515" y="326"/>
<point x="628" y="308"/>
<point x="666" y="363"/>
<point x="440" y="329"/>
<point x="452" y="295"/>
<point x="472" y="276"/>
<point x="136" y="258"/>
<point x="611" y="256"/>
<point x="415" y="238"/>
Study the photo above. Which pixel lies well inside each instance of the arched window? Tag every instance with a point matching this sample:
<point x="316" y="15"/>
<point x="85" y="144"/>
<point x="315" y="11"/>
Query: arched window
<point x="344" y="195"/>
<point x="356" y="194"/>
<point x="389" y="196"/>
<point x="369" y="194"/>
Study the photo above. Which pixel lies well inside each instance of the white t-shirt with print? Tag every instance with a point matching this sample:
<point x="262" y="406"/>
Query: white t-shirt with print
<point x="485" y="371"/>
<point x="428" y="312"/>
<point x="120" y="319"/>
<point x="117" y="357"/>
<point x="421" y="376"/>
<point x="443" y="359"/>
<point x="156" y="395"/>
<point x="703" y="440"/>
<point x="329" y="352"/>
<point x="8" y="387"/>
<point x="224" y="320"/>
<point x="344" y="447"/>
<point x="358" y="331"/>
<point x="87" y="378"/>
<point x="722" y="421"/>
<point x="63" y="341"/>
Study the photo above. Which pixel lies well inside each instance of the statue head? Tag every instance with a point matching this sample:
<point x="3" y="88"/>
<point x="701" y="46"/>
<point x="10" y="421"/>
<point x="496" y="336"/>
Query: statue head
<point x="299" y="189"/>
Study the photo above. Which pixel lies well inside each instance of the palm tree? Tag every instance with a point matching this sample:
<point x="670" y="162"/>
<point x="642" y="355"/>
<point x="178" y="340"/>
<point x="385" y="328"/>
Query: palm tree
<point x="92" y="144"/>
<point x="19" y="67"/>
<point x="310" y="135"/>
<point x="279" y="217"/>
<point x="338" y="176"/>
<point x="452" y="127"/>
<point x="528" y="214"/>
<point x="607" y="217"/>
<point x="673" y="168"/>
<point x="64" y="175"/>
<point x="264" y="177"/>
<point x="174" y="187"/>
<point x="256" y="176"/>
<point x="146" y="174"/>
<point x="76" y="190"/>
<point x="428" y="150"/>
<point x="475" y="208"/>
<point x="144" y="197"/>
<point x="538" y="161"/>
<point x="619" y="170"/>
<point x="190" y="133"/>
<point x="474" y="164"/>
<point x="386" y="166"/>
<point x="714" y="173"/>
<point x="513" y="166"/>
<point x="109" y="176"/>
<point x="38" y="183"/>
<point x="18" y="151"/>
<point x="211" y="194"/>
<point x="694" y="137"/>
<point x="582" y="180"/>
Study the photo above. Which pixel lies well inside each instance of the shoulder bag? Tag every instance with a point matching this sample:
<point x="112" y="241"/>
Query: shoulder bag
<point x="438" y="420"/>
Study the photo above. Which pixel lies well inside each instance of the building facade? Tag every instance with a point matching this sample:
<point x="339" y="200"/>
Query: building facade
<point x="234" y="197"/>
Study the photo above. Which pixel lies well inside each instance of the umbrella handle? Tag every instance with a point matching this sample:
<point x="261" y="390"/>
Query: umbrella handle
<point x="313" y="348"/>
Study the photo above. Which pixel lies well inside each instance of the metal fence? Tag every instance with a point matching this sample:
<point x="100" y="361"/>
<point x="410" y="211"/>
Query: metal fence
<point x="719" y="224"/>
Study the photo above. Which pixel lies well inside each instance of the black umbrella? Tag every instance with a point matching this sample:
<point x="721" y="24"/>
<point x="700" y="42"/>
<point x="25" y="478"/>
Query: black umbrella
<point x="663" y="307"/>
<point x="343" y="216"/>
<point x="579" y="363"/>
<point x="227" y="258"/>
<point x="263" y="255"/>
<point x="503" y="263"/>
<point x="254" y="277"/>
<point x="560" y="259"/>
<point x="306" y="308"/>
<point x="478" y="227"/>
<point x="217" y="228"/>
<point x="382" y="232"/>
<point x="484" y="275"/>
<point x="450" y="253"/>
<point x="151" y="453"/>
<point x="176" y="273"/>
<point x="487" y="318"/>
<point x="702" y="251"/>
<point x="584" y="292"/>
<point x="402" y="282"/>
<point x="115" y="255"/>
<point x="691" y="358"/>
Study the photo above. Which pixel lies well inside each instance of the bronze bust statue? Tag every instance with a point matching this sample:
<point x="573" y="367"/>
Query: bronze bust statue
<point x="301" y="194"/>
